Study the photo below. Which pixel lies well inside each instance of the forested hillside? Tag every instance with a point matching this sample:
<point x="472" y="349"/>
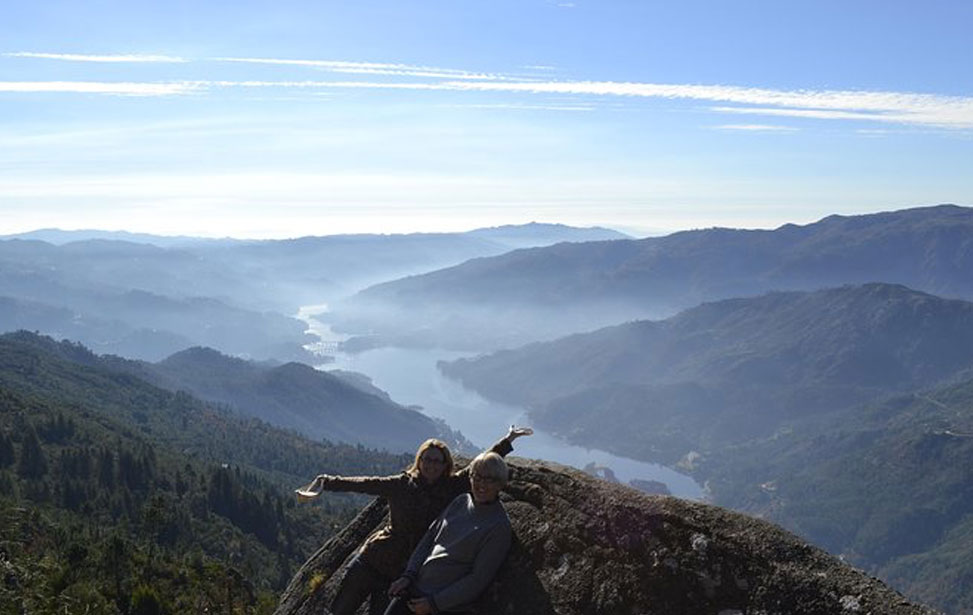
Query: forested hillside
<point x="121" y="497"/>
<point x="729" y="371"/>
<point x="845" y="415"/>
<point x="887" y="487"/>
<point x="316" y="403"/>
<point x="544" y="293"/>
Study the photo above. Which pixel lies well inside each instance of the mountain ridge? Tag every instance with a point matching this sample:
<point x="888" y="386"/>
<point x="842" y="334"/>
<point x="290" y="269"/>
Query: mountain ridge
<point x="147" y="301"/>
<point x="929" y="249"/>
<point x="838" y="413"/>
<point x="293" y="395"/>
<point x="771" y="358"/>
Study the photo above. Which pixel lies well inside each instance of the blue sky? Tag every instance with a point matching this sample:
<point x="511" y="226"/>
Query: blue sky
<point x="277" y="119"/>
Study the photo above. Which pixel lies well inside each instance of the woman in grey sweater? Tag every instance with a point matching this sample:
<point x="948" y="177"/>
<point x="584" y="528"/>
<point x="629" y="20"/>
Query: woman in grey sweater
<point x="461" y="552"/>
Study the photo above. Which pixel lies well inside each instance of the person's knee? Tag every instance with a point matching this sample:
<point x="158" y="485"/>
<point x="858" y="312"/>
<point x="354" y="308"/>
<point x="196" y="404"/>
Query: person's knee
<point x="360" y="581"/>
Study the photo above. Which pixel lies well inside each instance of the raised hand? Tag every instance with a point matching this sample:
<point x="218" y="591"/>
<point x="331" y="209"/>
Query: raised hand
<point x="515" y="432"/>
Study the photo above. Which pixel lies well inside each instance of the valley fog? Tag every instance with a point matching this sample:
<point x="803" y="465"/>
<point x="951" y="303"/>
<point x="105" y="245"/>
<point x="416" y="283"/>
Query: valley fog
<point x="411" y="378"/>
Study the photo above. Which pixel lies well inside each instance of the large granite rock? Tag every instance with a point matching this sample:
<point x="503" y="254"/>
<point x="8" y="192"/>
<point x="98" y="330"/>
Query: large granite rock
<point x="583" y="545"/>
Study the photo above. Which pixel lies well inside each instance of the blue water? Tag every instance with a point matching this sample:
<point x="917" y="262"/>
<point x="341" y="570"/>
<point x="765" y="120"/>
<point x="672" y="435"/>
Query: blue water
<point x="410" y="376"/>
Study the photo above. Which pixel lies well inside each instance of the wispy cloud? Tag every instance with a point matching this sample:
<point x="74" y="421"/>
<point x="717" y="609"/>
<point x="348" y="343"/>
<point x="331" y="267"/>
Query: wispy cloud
<point x="757" y="128"/>
<point x="815" y="114"/>
<point x="930" y="110"/>
<point x="373" y="68"/>
<point x="901" y="108"/>
<point x="97" y="87"/>
<point x="895" y="107"/>
<point x="79" y="57"/>
<point x="525" y="107"/>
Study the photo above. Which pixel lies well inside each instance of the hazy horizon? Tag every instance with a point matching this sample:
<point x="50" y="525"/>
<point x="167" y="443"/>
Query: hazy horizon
<point x="633" y="232"/>
<point x="216" y="236"/>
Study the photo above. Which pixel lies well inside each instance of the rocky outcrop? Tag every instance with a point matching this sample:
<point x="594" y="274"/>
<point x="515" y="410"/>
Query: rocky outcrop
<point x="583" y="545"/>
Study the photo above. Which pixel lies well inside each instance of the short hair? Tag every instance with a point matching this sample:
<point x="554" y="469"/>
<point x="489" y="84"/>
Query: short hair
<point x="440" y="446"/>
<point x="491" y="465"/>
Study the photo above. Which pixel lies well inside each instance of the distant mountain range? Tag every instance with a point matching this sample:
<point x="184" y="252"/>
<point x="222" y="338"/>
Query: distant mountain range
<point x="543" y="293"/>
<point x="59" y="237"/>
<point x="510" y="236"/>
<point x="147" y="297"/>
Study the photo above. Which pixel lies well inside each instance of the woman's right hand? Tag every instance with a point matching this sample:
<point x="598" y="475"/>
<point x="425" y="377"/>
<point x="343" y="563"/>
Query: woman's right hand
<point x="312" y="489"/>
<point x="398" y="586"/>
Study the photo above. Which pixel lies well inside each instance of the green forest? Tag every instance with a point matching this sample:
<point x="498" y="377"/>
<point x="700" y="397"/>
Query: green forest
<point x="120" y="497"/>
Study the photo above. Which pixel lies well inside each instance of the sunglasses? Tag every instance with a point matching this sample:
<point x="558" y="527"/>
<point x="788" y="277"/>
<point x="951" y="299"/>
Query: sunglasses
<point x="483" y="478"/>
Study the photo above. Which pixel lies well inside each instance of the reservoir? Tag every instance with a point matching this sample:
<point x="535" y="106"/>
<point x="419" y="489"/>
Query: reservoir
<point x="411" y="378"/>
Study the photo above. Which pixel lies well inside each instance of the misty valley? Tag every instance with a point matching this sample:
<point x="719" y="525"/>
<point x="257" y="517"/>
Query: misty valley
<point x="160" y="397"/>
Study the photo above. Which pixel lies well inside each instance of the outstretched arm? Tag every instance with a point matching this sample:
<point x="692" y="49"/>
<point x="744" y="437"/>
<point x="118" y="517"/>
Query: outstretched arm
<point x="370" y="485"/>
<point x="515" y="432"/>
<point x="505" y="445"/>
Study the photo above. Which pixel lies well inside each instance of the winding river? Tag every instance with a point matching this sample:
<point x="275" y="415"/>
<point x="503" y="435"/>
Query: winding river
<point x="411" y="377"/>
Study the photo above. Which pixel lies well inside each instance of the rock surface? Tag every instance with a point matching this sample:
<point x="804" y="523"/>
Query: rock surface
<point x="583" y="545"/>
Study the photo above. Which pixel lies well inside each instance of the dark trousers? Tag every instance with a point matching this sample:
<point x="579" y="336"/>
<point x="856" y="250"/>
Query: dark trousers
<point x="361" y="582"/>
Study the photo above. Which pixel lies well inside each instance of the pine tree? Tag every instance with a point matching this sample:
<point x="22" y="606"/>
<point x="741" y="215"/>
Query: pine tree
<point x="145" y="601"/>
<point x="7" y="455"/>
<point x="32" y="464"/>
<point x="106" y="469"/>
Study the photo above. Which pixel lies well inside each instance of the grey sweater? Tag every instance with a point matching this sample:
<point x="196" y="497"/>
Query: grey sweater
<point x="460" y="553"/>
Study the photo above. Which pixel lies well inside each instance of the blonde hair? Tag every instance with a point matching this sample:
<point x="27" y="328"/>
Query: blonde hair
<point x="491" y="465"/>
<point x="440" y="446"/>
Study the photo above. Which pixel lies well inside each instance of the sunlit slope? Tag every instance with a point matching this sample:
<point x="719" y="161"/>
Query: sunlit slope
<point x="887" y="486"/>
<point x="732" y="370"/>
<point x="115" y="492"/>
<point x="845" y="415"/>
<point x="315" y="403"/>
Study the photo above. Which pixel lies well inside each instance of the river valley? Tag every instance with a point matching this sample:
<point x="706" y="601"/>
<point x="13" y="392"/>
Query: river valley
<point x="411" y="378"/>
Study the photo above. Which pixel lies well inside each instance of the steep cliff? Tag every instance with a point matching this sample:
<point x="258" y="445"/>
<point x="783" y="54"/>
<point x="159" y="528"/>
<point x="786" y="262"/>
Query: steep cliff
<point x="583" y="545"/>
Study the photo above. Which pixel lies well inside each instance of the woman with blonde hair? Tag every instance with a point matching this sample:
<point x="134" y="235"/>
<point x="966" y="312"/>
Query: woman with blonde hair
<point x="415" y="497"/>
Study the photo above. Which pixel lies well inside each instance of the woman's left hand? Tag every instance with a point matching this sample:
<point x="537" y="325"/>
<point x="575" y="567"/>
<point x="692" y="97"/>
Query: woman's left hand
<point x="398" y="586"/>
<point x="420" y="606"/>
<point x="515" y="432"/>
